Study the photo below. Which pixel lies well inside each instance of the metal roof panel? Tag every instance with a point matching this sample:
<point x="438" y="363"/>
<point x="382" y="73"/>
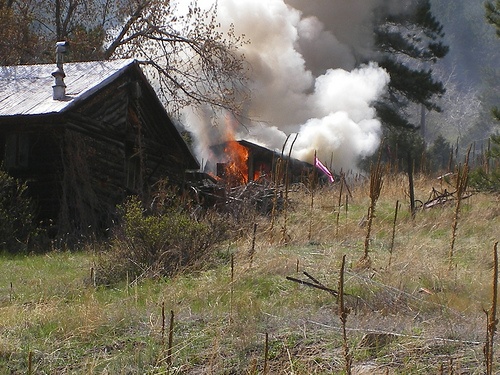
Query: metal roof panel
<point x="27" y="89"/>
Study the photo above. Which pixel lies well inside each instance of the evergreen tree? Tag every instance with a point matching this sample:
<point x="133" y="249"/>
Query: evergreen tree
<point x="408" y="43"/>
<point x="487" y="177"/>
<point x="439" y="154"/>
<point x="493" y="14"/>
<point x="493" y="17"/>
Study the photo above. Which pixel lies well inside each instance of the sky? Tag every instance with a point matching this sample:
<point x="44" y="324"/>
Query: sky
<point x="305" y="79"/>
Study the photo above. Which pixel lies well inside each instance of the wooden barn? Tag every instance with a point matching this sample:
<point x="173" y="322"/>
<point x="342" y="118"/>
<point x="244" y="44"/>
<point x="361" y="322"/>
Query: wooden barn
<point x="262" y="161"/>
<point x="245" y="161"/>
<point x="84" y="136"/>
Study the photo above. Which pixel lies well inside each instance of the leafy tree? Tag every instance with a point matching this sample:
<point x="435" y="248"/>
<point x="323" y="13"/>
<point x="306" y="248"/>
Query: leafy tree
<point x="462" y="109"/>
<point x="408" y="44"/>
<point x="18" y="42"/>
<point x="403" y="146"/>
<point x="179" y="43"/>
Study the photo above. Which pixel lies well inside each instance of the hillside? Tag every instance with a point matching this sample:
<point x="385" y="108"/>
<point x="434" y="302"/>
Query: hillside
<point x="413" y="310"/>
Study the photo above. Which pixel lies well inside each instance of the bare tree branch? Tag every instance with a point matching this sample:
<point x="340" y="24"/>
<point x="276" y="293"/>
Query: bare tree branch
<point x="191" y="60"/>
<point x="119" y="40"/>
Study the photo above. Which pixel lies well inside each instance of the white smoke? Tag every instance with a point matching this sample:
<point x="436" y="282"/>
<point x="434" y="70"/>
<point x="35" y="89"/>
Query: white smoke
<point x="303" y="79"/>
<point x="344" y="128"/>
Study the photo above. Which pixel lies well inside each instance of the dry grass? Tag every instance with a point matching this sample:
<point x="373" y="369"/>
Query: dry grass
<point x="428" y="314"/>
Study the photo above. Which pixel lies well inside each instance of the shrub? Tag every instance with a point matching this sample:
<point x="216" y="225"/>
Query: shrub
<point x="438" y="154"/>
<point x="155" y="243"/>
<point x="487" y="178"/>
<point x="17" y="215"/>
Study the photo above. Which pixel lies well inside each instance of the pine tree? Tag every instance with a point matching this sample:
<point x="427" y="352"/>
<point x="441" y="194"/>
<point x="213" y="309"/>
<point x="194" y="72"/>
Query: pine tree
<point x="439" y="153"/>
<point x="408" y="43"/>
<point x="493" y="17"/>
<point x="493" y="14"/>
<point x="487" y="177"/>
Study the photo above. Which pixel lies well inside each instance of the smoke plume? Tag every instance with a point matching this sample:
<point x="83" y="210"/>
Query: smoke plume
<point x="305" y="78"/>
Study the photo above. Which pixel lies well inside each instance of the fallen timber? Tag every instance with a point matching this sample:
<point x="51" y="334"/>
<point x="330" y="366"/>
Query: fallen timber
<point x="208" y="191"/>
<point x="438" y="198"/>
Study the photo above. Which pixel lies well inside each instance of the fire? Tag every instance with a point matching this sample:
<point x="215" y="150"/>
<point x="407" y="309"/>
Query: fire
<point x="256" y="175"/>
<point x="236" y="169"/>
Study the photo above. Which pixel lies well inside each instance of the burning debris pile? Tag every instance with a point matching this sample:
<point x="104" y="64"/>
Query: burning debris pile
<point x="250" y="175"/>
<point x="262" y="197"/>
<point x="209" y="192"/>
<point x="223" y="193"/>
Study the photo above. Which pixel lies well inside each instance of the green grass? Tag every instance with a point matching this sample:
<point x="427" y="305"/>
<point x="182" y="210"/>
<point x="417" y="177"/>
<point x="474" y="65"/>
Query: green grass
<point x="69" y="326"/>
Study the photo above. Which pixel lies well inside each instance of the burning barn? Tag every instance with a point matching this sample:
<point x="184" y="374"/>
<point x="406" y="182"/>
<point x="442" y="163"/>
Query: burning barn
<point x="244" y="161"/>
<point x="246" y="173"/>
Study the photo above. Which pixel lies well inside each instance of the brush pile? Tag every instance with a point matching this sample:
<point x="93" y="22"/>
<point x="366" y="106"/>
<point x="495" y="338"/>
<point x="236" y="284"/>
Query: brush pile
<point x="262" y="196"/>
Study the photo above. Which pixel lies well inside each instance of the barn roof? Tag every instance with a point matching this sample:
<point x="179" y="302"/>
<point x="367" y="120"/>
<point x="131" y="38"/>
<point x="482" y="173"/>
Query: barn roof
<point x="27" y="89"/>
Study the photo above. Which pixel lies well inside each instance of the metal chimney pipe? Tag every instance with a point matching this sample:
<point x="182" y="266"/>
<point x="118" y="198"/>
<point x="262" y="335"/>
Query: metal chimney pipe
<point x="59" y="89"/>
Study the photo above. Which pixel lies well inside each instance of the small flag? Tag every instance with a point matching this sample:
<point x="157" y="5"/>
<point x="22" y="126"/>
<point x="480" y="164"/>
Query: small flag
<point x="318" y="164"/>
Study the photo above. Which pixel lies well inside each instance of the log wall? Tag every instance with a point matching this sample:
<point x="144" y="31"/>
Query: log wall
<point x="84" y="161"/>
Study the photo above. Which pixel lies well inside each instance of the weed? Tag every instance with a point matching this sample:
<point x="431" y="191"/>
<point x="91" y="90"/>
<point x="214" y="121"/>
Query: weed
<point x="434" y="315"/>
<point x="18" y="229"/>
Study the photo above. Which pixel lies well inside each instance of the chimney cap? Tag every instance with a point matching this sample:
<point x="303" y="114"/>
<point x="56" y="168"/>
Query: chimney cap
<point x="61" y="46"/>
<point x="59" y="88"/>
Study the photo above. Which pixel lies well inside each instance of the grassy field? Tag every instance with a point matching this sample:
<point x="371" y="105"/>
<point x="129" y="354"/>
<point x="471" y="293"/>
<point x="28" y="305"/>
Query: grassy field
<point x="414" y="310"/>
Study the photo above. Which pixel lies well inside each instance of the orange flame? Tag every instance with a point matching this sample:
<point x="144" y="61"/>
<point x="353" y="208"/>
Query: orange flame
<point x="236" y="169"/>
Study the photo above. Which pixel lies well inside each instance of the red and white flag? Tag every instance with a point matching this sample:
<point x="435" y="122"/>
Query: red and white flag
<point x="318" y="164"/>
